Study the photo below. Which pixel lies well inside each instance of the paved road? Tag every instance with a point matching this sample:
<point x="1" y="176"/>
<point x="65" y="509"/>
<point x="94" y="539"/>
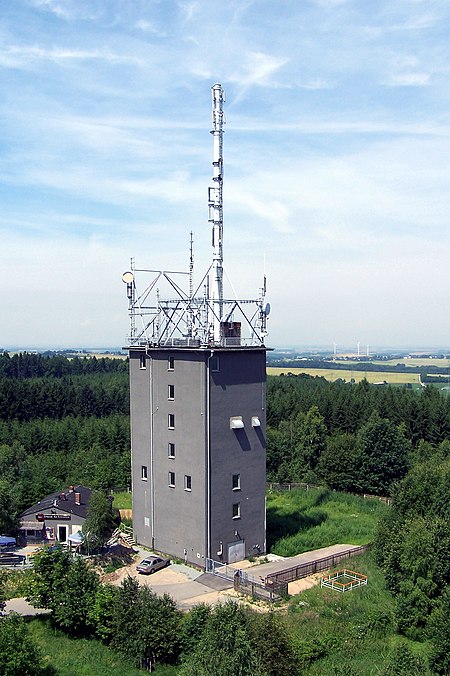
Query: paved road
<point x="21" y="606"/>
<point x="179" y="581"/>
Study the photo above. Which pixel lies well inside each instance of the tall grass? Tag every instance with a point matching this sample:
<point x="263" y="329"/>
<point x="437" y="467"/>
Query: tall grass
<point x="299" y="521"/>
<point x="67" y="656"/>
<point x="122" y="500"/>
<point x="351" y="633"/>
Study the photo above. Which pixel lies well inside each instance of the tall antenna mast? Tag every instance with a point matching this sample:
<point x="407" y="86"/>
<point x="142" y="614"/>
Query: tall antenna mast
<point x="190" y="322"/>
<point x="215" y="206"/>
<point x="181" y="313"/>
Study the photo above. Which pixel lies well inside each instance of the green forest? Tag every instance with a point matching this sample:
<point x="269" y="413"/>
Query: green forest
<point x="66" y="421"/>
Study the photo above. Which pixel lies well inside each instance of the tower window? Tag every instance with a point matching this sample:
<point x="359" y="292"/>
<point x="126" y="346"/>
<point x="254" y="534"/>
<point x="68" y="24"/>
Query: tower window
<point x="144" y="473"/>
<point x="171" y="421"/>
<point x="237" y="510"/>
<point x="214" y="364"/>
<point x="171" y="450"/>
<point x="236" y="482"/>
<point x="171" y="364"/>
<point x="172" y="479"/>
<point x="187" y="482"/>
<point x="171" y="392"/>
<point x="142" y="362"/>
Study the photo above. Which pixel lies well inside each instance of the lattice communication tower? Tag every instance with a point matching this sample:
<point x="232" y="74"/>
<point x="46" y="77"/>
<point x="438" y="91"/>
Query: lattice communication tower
<point x="196" y="314"/>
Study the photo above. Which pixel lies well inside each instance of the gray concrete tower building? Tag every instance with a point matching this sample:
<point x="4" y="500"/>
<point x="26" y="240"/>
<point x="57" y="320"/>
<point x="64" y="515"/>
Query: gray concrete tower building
<point x="198" y="412"/>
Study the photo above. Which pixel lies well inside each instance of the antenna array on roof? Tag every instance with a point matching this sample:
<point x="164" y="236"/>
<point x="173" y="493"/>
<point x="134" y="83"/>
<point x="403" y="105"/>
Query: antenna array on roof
<point x="196" y="315"/>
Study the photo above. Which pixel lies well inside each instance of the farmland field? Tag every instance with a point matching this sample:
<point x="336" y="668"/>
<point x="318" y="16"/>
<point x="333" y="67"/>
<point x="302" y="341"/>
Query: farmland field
<point x="334" y="374"/>
<point x="419" y="362"/>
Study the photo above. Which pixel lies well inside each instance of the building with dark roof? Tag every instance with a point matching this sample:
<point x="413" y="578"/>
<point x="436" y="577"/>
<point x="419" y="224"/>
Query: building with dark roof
<point x="55" y="517"/>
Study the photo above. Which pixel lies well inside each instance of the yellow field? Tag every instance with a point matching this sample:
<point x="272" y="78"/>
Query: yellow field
<point x="442" y="363"/>
<point x="334" y="374"/>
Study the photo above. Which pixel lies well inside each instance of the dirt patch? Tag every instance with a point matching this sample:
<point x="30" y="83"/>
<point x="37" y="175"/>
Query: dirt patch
<point x="305" y="583"/>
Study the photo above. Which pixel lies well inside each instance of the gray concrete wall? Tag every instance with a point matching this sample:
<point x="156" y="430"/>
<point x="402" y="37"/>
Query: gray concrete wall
<point x="238" y="389"/>
<point x="189" y="524"/>
<point x="140" y="447"/>
<point x="179" y="521"/>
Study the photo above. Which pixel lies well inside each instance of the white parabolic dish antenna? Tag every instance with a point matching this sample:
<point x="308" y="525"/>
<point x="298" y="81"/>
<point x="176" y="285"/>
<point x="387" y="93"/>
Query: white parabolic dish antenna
<point x="127" y="277"/>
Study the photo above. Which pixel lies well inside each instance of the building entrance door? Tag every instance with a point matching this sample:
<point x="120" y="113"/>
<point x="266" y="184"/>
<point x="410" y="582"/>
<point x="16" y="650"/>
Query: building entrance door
<point x="236" y="551"/>
<point x="62" y="533"/>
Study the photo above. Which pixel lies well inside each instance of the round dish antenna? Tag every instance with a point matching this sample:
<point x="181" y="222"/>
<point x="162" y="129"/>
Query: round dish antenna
<point x="127" y="277"/>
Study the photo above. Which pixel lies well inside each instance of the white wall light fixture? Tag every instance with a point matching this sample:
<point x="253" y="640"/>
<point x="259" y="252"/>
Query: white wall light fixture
<point x="236" y="423"/>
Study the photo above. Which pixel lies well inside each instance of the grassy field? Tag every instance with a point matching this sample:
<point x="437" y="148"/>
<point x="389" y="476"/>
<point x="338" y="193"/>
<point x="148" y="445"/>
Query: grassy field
<point x="350" y="633"/>
<point x="81" y="657"/>
<point x="334" y="374"/>
<point x="300" y="520"/>
<point x="122" y="500"/>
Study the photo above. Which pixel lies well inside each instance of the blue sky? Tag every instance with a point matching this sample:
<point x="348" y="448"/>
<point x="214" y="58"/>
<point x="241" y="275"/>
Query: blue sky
<point x="337" y="162"/>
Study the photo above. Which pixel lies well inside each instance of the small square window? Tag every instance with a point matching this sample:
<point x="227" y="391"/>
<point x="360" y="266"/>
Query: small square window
<point x="171" y="392"/>
<point x="171" y="421"/>
<point x="171" y="364"/>
<point x="142" y="361"/>
<point x="187" y="482"/>
<point x="172" y="479"/>
<point x="237" y="510"/>
<point x="171" y="450"/>
<point x="144" y="473"/>
<point x="236" y="482"/>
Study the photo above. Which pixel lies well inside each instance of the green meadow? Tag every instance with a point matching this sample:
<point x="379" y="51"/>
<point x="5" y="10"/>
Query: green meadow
<point x="301" y="520"/>
<point x="67" y="656"/>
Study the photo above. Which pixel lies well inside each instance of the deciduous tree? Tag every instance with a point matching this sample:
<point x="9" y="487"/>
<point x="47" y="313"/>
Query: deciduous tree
<point x="99" y="522"/>
<point x="18" y="652"/>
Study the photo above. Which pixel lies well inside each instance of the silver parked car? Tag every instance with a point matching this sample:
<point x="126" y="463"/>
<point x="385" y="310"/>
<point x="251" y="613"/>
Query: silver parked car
<point x="152" y="563"/>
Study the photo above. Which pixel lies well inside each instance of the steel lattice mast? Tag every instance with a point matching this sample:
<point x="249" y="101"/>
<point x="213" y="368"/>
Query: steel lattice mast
<point x="215" y="204"/>
<point x="199" y="315"/>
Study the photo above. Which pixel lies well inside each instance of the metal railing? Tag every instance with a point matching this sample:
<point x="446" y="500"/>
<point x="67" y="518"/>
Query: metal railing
<point x="311" y="567"/>
<point x="264" y="589"/>
<point x="220" y="569"/>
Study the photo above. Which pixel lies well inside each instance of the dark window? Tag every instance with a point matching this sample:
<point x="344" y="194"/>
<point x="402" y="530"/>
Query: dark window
<point x="236" y="482"/>
<point x="171" y="364"/>
<point x="172" y="479"/>
<point x="171" y="450"/>
<point x="142" y="362"/>
<point x="214" y="364"/>
<point x="144" y="473"/>
<point x="187" y="482"/>
<point x="237" y="510"/>
<point x="171" y="421"/>
<point x="171" y="392"/>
